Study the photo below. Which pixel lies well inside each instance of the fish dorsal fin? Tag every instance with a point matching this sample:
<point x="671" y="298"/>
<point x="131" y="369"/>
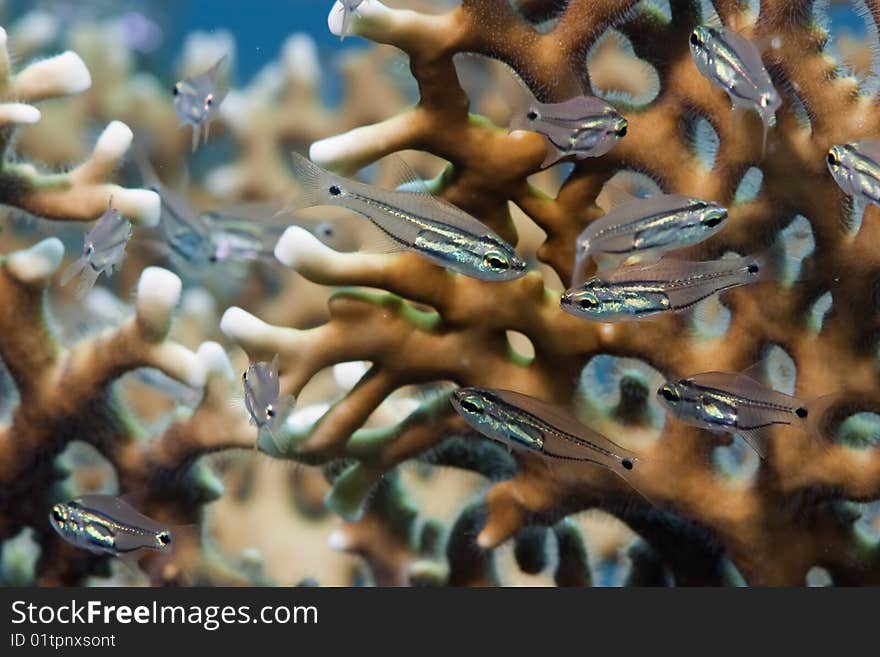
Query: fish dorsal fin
<point x="625" y="187"/>
<point x="757" y="371"/>
<point x="870" y="148"/>
<point x="405" y="179"/>
<point x="214" y="72"/>
<point x="120" y="510"/>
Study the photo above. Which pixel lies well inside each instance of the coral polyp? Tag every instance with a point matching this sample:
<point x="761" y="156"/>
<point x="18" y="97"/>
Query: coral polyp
<point x="374" y="459"/>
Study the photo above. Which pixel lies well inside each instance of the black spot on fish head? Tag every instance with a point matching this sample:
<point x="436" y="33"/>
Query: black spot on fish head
<point x="753" y="268"/>
<point x="334" y="190"/>
<point x="164" y="538"/>
<point x="801" y="412"/>
<point x="627" y="464"/>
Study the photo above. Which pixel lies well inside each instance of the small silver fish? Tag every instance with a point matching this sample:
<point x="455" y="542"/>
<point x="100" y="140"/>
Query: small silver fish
<point x="670" y="285"/>
<point x="734" y="63"/>
<point x="197" y="98"/>
<point x="646" y="227"/>
<point x="105" y="524"/>
<point x="736" y="403"/>
<point x="197" y="241"/>
<point x="528" y="424"/>
<point x="415" y="221"/>
<point x="348" y="8"/>
<point x="583" y="126"/>
<point x="262" y="395"/>
<point x="103" y="250"/>
<point x="855" y="167"/>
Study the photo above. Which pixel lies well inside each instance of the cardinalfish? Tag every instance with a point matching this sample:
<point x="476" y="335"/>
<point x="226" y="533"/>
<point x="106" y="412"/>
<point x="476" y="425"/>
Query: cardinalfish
<point x="105" y="524"/>
<point x="528" y="424"/>
<point x="262" y="396"/>
<point x="197" y="98"/>
<point x="732" y="62"/>
<point x="645" y="228"/>
<point x="668" y="286"/>
<point x="196" y="241"/>
<point x="583" y="126"/>
<point x="726" y="402"/>
<point x="103" y="250"/>
<point x="856" y="169"/>
<point x="415" y="221"/>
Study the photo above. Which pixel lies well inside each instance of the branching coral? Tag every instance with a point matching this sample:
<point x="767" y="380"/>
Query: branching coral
<point x="773" y="526"/>
<point x="82" y="193"/>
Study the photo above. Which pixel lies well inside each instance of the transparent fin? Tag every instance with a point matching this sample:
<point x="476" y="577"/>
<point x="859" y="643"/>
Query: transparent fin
<point x="314" y="183"/>
<point x="87" y="281"/>
<point x="73" y="269"/>
<point x="758" y="440"/>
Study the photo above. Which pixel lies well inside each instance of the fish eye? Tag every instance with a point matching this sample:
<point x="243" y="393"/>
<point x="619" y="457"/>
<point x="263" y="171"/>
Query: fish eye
<point x="496" y="261"/>
<point x="90" y="249"/>
<point x="244" y="376"/>
<point x="164" y="538"/>
<point x="754" y="268"/>
<point x="209" y="100"/>
<point x="832" y="159"/>
<point x="695" y="39"/>
<point x="627" y="464"/>
<point x="334" y="190"/>
<point x="532" y="115"/>
<point x="621" y="132"/>
<point x="670" y="394"/>
<point x="472" y="406"/>
<point x="712" y="221"/>
<point x="801" y="412"/>
<point x="588" y="303"/>
<point x="57" y="515"/>
<point x="270" y="412"/>
<point x="212" y="258"/>
<point x="176" y="90"/>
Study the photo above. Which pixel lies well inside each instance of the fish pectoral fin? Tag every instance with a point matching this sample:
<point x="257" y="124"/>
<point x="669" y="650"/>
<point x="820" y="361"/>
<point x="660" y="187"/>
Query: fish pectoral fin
<point x="376" y="240"/>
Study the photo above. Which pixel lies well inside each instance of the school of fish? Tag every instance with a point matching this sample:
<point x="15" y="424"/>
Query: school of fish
<point x="631" y="247"/>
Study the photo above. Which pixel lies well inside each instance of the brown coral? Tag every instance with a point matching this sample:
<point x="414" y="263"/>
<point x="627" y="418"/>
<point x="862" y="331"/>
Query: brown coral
<point x="774" y="527"/>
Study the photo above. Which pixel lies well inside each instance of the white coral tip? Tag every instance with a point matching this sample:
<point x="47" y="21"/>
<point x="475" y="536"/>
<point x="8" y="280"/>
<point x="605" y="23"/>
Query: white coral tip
<point x="18" y="113"/>
<point x="224" y="181"/>
<point x="296" y="244"/>
<point x="300" y="56"/>
<point x="238" y="324"/>
<point x="142" y="205"/>
<point x="114" y="142"/>
<point x="346" y="375"/>
<point x="73" y="70"/>
<point x="214" y="360"/>
<point x="38" y="262"/>
<point x="337" y="540"/>
<point x="158" y="291"/>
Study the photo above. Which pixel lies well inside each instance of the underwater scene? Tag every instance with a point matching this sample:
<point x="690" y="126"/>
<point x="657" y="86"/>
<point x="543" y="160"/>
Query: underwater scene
<point x="440" y="293"/>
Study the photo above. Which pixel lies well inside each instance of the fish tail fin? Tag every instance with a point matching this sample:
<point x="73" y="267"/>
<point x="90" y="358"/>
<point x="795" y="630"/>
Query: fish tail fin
<point x="775" y="264"/>
<point x="73" y="269"/>
<point x="314" y="182"/>
<point x="758" y="440"/>
<point x="87" y="281"/>
<point x="815" y="422"/>
<point x="630" y="468"/>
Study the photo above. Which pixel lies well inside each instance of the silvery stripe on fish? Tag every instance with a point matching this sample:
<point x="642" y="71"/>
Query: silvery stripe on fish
<point x="644" y="226"/>
<point x="855" y="167"/>
<point x="583" y="126"/>
<point x="105" y="524"/>
<point x="732" y="403"/>
<point x="415" y="221"/>
<point x="734" y="63"/>
<point x="670" y="285"/>
<point x="524" y="422"/>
